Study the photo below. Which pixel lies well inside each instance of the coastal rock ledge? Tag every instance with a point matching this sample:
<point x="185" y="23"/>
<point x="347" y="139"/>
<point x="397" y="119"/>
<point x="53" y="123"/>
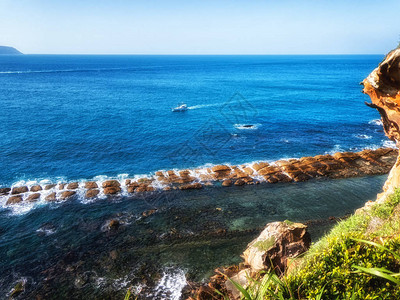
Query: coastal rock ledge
<point x="338" y="165"/>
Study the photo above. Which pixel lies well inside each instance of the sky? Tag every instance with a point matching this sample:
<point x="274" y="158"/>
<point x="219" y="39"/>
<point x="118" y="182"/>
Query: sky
<point x="200" y="26"/>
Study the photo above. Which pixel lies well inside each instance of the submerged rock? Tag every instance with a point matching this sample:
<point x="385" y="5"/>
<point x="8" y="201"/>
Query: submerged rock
<point x="227" y="182"/>
<point x="191" y="186"/>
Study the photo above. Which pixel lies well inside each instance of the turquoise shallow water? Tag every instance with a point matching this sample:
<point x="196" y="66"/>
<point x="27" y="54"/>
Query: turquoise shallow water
<point x="83" y="117"/>
<point x="65" y="250"/>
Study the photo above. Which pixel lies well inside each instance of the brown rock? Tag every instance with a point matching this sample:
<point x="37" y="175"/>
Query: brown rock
<point x="277" y="243"/>
<point x="148" y="213"/>
<point x="36" y="188"/>
<point x="127" y="182"/>
<point x="227" y="182"/>
<point x="111" y="183"/>
<point x="167" y="188"/>
<point x="67" y="194"/>
<point x="91" y="185"/>
<point x="260" y="165"/>
<point x="49" y="186"/>
<point x="19" y="190"/>
<point x="33" y="197"/>
<point x="92" y="193"/>
<point x="144" y="188"/>
<point x="159" y="173"/>
<point x="14" y="200"/>
<point x="73" y="186"/>
<point x="51" y="197"/>
<point x="61" y="186"/>
<point x="131" y="189"/>
<point x="111" y="190"/>
<point x="4" y="191"/>
<point x="240" y="182"/>
<point x="114" y="224"/>
<point x="191" y="186"/>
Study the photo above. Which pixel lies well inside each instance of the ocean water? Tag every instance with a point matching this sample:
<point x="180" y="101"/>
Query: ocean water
<point x="76" y="117"/>
<point x="84" y="117"/>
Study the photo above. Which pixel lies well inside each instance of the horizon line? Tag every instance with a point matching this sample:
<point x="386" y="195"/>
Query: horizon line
<point x="206" y="54"/>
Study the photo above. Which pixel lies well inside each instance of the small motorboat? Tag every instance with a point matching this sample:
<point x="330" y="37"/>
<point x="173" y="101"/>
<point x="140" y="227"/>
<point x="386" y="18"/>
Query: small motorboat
<point x="181" y="107"/>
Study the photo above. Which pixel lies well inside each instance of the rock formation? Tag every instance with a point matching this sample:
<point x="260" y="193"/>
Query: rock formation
<point x="338" y="165"/>
<point x="383" y="87"/>
<point x="277" y="244"/>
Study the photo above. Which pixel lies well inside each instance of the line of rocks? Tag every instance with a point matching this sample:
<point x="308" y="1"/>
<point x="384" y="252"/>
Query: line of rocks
<point x="338" y="165"/>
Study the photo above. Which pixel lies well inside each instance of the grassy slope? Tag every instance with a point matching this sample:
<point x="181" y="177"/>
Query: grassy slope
<point x="328" y="269"/>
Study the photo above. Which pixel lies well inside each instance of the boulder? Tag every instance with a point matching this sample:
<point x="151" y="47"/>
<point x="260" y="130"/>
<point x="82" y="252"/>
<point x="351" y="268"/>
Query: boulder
<point x="4" y="191"/>
<point x="111" y="190"/>
<point x="260" y="165"/>
<point x="61" y="186"/>
<point x="221" y="168"/>
<point x="111" y="183"/>
<point x="240" y="182"/>
<point x="144" y="188"/>
<point x="196" y="185"/>
<point x="51" y="197"/>
<point x="14" y="200"/>
<point x="67" y="194"/>
<point x="49" y="186"/>
<point x="33" y="197"/>
<point x="19" y="190"/>
<point x="36" y="188"/>
<point x="92" y="193"/>
<point x="73" y="186"/>
<point x="91" y="185"/>
<point x="227" y="182"/>
<point x="277" y="243"/>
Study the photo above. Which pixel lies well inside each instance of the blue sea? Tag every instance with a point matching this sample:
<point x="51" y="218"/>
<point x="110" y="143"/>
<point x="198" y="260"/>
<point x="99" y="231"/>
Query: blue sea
<point x="79" y="117"/>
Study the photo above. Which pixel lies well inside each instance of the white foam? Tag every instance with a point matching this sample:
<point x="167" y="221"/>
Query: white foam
<point x="205" y="105"/>
<point x="171" y="284"/>
<point x="389" y="144"/>
<point x="247" y="126"/>
<point x="377" y="122"/>
<point x="363" y="136"/>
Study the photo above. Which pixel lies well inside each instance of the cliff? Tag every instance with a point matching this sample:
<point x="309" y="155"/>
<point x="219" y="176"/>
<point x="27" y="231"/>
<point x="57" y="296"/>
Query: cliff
<point x="4" y="50"/>
<point x="383" y="87"/>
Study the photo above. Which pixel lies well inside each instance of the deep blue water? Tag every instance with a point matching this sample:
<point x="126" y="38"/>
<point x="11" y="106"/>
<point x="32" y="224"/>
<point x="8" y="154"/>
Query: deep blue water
<point x="78" y="117"/>
<point x="81" y="116"/>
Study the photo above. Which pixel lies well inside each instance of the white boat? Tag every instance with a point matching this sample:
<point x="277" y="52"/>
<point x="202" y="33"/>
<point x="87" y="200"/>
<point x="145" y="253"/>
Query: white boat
<point x="181" y="107"/>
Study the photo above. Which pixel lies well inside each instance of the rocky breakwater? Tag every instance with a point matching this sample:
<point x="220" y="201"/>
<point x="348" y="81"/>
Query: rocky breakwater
<point x="273" y="249"/>
<point x="383" y="87"/>
<point x="338" y="165"/>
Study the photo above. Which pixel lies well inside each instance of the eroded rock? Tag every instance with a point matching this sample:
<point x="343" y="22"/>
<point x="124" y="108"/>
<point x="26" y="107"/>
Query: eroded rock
<point x="36" y="188"/>
<point x="67" y="194"/>
<point x="91" y="185"/>
<point x="14" y="200"/>
<point x="277" y="243"/>
<point x="92" y="193"/>
<point x="33" y="197"/>
<point x="19" y="190"/>
<point x="4" y="191"/>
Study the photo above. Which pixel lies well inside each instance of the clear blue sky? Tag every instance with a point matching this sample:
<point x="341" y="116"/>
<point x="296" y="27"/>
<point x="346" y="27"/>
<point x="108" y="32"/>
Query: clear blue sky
<point x="200" y="26"/>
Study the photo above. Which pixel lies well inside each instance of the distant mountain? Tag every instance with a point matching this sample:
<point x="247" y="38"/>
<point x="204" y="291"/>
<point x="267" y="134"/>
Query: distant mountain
<point x="8" y="50"/>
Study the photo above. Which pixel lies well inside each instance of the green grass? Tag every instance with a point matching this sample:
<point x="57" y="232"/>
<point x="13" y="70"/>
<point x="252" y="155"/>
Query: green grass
<point x="358" y="259"/>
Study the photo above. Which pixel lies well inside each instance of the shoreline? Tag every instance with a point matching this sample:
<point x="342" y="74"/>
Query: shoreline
<point x="338" y="165"/>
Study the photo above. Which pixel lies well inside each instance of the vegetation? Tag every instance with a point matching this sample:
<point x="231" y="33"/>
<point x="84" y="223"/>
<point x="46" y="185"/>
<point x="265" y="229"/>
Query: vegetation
<point x="358" y="259"/>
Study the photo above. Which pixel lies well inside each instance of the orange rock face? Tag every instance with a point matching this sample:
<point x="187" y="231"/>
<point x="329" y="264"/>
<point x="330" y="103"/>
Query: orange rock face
<point x="383" y="87"/>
